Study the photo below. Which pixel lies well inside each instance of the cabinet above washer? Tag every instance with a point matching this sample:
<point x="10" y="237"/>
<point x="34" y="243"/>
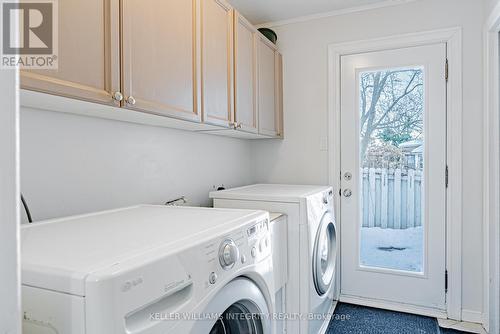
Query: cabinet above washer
<point x="195" y="65"/>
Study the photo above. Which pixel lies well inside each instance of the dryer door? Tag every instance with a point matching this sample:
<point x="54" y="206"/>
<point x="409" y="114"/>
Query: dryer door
<point x="324" y="254"/>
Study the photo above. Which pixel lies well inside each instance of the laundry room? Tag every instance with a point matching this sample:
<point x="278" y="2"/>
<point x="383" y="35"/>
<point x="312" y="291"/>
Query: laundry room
<point x="264" y="166"/>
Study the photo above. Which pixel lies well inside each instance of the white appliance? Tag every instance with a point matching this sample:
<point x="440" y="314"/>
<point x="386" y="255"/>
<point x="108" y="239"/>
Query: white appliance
<point x="279" y="243"/>
<point x="149" y="270"/>
<point x="312" y="247"/>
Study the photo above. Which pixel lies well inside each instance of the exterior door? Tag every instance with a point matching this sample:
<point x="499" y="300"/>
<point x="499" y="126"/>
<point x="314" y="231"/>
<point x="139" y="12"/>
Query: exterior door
<point x="393" y="169"/>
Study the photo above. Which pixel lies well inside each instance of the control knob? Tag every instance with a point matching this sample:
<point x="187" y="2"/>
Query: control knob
<point x="228" y="254"/>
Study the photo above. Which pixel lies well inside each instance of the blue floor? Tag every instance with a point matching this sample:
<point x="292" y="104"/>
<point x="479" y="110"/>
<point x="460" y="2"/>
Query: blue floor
<point x="354" y="319"/>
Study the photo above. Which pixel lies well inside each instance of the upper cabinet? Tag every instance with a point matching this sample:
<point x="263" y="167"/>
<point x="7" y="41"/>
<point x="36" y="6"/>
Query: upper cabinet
<point x="160" y="57"/>
<point x="269" y="87"/>
<point x="89" y="60"/>
<point x="217" y="62"/>
<point x="279" y="95"/>
<point x="165" y="62"/>
<point x="245" y="74"/>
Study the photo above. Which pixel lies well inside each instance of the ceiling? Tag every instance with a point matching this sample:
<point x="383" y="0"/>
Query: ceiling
<point x="263" y="11"/>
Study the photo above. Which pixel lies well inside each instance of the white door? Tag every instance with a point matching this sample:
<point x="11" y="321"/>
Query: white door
<point x="393" y="169"/>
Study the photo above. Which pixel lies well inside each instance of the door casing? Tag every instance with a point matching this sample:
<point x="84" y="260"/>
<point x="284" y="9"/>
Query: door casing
<point x="491" y="184"/>
<point x="453" y="39"/>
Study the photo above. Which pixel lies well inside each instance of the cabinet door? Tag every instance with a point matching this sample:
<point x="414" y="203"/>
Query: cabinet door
<point x="217" y="60"/>
<point x="279" y="95"/>
<point x="245" y="74"/>
<point x="88" y="58"/>
<point x="267" y="88"/>
<point x="160" y="57"/>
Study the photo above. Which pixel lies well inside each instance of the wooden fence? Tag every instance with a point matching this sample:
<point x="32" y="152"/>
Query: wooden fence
<point x="391" y="198"/>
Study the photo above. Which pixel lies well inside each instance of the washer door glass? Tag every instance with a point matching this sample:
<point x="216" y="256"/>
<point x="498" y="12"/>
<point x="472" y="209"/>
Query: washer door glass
<point x="238" y="319"/>
<point x="325" y="253"/>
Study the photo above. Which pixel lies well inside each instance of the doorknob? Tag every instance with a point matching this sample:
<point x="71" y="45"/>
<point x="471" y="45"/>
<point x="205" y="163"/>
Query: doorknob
<point x="347" y="192"/>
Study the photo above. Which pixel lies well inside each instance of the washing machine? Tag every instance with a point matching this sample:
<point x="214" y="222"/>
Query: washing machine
<point x="149" y="270"/>
<point x="312" y="247"/>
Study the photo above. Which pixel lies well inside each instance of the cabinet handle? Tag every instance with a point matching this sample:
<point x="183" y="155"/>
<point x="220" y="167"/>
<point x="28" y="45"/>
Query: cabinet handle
<point x="235" y="125"/>
<point x="131" y="100"/>
<point x="117" y="96"/>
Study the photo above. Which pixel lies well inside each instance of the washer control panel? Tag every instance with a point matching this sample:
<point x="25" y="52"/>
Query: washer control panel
<point x="236" y="250"/>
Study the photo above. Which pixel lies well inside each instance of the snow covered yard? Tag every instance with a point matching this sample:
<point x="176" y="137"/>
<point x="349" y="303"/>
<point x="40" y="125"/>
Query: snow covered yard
<point x="392" y="248"/>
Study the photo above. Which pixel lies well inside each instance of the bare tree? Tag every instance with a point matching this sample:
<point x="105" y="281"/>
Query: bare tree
<point x="391" y="102"/>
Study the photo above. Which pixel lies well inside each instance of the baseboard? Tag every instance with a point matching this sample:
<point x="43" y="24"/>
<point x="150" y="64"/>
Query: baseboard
<point x="472" y="316"/>
<point x="331" y="311"/>
<point x="462" y="326"/>
<point x="392" y="306"/>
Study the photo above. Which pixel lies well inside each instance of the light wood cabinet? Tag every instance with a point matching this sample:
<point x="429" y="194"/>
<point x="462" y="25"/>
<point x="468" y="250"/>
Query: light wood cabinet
<point x="182" y="60"/>
<point x="88" y="53"/>
<point x="245" y="74"/>
<point x="217" y="62"/>
<point x="279" y="95"/>
<point x="268" y="87"/>
<point x="160" y="61"/>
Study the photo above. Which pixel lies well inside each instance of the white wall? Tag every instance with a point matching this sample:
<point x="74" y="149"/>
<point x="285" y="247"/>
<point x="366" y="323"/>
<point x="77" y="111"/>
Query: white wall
<point x="300" y="159"/>
<point x="10" y="314"/>
<point x="73" y="164"/>
<point x="490" y="5"/>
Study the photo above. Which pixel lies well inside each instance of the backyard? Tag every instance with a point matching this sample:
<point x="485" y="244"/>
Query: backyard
<point x="391" y="169"/>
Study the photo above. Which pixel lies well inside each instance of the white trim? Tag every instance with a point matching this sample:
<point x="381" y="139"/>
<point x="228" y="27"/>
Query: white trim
<point x="453" y="38"/>
<point x="463" y="326"/>
<point x="472" y="316"/>
<point x="344" y="11"/>
<point x="10" y="272"/>
<point x="398" y="307"/>
<point x="491" y="210"/>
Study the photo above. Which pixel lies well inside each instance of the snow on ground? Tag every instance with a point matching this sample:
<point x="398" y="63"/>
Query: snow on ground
<point x="391" y="240"/>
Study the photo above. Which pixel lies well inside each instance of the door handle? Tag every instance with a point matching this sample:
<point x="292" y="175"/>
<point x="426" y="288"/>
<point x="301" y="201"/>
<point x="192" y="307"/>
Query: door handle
<point x="347" y="192"/>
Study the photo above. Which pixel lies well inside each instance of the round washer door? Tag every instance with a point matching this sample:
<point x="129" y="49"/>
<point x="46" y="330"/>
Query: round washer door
<point x="325" y="254"/>
<point x="242" y="308"/>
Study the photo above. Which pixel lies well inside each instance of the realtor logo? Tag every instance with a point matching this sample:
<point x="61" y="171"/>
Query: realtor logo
<point x="29" y="34"/>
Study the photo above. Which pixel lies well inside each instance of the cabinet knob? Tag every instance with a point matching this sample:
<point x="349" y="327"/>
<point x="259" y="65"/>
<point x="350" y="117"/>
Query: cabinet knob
<point x="131" y="100"/>
<point x="235" y="125"/>
<point x="117" y="96"/>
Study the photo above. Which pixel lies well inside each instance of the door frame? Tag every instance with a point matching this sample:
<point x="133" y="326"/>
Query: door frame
<point x="491" y="184"/>
<point x="453" y="39"/>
